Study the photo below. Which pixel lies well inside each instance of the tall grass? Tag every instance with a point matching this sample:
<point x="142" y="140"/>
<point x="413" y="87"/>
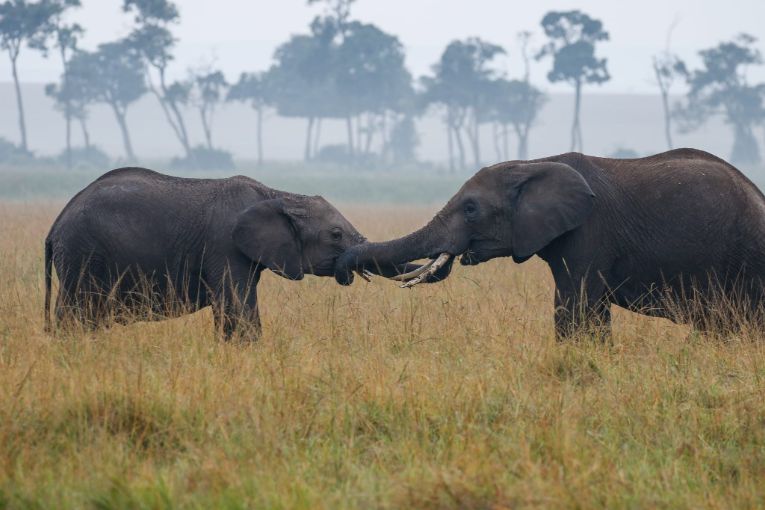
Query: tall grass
<point x="447" y="396"/>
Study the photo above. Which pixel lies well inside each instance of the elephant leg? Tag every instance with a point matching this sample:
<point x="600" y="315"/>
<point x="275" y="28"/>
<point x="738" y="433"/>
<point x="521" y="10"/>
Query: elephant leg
<point x="236" y="306"/>
<point x="575" y="316"/>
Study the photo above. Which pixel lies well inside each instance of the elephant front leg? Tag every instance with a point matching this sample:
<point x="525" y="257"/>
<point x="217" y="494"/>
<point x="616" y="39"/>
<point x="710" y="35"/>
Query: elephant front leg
<point x="236" y="307"/>
<point x="240" y="321"/>
<point x="577" y="316"/>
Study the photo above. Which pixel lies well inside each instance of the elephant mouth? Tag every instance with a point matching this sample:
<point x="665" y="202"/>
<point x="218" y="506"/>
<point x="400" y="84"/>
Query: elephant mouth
<point x="469" y="258"/>
<point x="344" y="278"/>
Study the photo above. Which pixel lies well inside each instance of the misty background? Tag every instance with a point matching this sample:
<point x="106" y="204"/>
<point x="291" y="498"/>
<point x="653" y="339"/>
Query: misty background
<point x="414" y="133"/>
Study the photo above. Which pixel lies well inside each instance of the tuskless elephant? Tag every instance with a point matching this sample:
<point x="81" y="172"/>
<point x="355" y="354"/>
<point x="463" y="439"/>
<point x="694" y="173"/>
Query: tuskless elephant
<point x="137" y="244"/>
<point x="680" y="235"/>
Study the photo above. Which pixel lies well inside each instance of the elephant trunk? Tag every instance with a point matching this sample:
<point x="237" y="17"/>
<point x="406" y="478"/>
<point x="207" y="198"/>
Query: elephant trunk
<point x="380" y="258"/>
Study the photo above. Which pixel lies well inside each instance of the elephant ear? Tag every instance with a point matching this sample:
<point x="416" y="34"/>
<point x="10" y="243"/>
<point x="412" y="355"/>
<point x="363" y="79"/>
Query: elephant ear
<point x="550" y="200"/>
<point x="266" y="234"/>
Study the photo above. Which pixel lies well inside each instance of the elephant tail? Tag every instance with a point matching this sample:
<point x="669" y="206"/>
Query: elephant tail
<point x="48" y="276"/>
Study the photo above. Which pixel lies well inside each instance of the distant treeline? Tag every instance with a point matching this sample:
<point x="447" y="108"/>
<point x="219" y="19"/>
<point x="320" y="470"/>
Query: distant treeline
<point x="342" y="68"/>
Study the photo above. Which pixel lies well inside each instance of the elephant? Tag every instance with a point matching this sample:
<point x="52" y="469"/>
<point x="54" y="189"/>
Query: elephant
<point x="679" y="235"/>
<point x="136" y="244"/>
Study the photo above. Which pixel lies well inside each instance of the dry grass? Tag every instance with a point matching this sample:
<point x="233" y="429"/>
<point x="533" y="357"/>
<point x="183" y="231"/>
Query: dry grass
<point x="447" y="396"/>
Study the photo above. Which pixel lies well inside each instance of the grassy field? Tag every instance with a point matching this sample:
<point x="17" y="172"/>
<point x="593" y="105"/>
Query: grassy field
<point x="447" y="396"/>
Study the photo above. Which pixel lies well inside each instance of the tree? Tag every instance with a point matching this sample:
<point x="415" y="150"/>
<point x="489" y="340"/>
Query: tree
<point x="720" y="87"/>
<point x="371" y="77"/>
<point x="667" y="67"/>
<point x="113" y="74"/>
<point x="462" y="84"/>
<point x="516" y="104"/>
<point x="154" y="42"/>
<point x="573" y="36"/>
<point x="207" y="90"/>
<point x="66" y="37"/>
<point x="72" y="98"/>
<point x="254" y="88"/>
<point x="303" y="82"/>
<point x="404" y="141"/>
<point x="23" y="23"/>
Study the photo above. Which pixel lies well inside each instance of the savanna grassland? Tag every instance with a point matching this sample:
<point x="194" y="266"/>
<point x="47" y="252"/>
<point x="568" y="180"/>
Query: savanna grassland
<point x="453" y="395"/>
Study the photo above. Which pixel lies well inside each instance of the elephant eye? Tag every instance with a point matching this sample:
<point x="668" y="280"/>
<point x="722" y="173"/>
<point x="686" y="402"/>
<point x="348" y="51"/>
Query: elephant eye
<point x="336" y="235"/>
<point x="470" y="209"/>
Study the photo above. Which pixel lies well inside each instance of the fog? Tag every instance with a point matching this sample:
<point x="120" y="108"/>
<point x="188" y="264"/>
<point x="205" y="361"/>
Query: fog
<point x="238" y="36"/>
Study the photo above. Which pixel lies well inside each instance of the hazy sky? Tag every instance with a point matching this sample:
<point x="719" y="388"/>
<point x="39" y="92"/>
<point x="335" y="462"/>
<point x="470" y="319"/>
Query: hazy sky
<point x="241" y="35"/>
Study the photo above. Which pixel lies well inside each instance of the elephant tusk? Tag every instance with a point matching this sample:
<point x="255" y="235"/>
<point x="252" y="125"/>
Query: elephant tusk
<point x="429" y="270"/>
<point x="366" y="275"/>
<point x="412" y="274"/>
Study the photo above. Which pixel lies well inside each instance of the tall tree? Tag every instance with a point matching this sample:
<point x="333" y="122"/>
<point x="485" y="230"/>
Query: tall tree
<point x="303" y="81"/>
<point x="373" y="81"/>
<point x="155" y="42"/>
<point x="667" y="68"/>
<point x="23" y="23"/>
<point x="208" y="89"/>
<point x="720" y="87"/>
<point x="572" y="39"/>
<point x="516" y="104"/>
<point x="254" y="88"/>
<point x="65" y="36"/>
<point x="113" y="74"/>
<point x="72" y="97"/>
<point x="462" y="84"/>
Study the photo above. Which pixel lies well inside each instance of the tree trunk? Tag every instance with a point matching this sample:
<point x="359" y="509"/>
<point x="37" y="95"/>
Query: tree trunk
<point x="450" y="138"/>
<point x="178" y="125"/>
<point x="122" y="121"/>
<point x="667" y="118"/>
<point x="385" y="142"/>
<point x="182" y="125"/>
<point x="259" y="111"/>
<point x="349" y="128"/>
<point x="745" y="149"/>
<point x="309" y="131"/>
<point x="317" y="136"/>
<point x="370" y="133"/>
<point x="357" y="149"/>
<point x="19" y="103"/>
<point x="168" y="117"/>
<point x="496" y="135"/>
<point x="460" y="146"/>
<point x="206" y="127"/>
<point x="67" y="107"/>
<point x="472" y="133"/>
<point x="506" y="142"/>
<point x="523" y="142"/>
<point x="576" y="132"/>
<point x="85" y="134"/>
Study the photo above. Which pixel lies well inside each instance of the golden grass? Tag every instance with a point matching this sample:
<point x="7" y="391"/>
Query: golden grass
<point x="447" y="396"/>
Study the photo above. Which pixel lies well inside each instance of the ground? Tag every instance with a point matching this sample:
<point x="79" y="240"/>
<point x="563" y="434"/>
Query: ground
<point x="452" y="395"/>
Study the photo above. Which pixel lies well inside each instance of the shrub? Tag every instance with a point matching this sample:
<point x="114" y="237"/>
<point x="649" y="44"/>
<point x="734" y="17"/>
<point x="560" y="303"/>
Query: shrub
<point x="86" y="158"/>
<point x="203" y="158"/>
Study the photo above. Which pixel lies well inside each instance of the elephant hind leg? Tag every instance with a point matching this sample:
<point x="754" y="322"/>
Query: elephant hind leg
<point x="582" y="318"/>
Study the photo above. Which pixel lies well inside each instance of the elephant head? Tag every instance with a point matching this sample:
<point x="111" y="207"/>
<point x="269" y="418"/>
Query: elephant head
<point x="296" y="235"/>
<point x="509" y="209"/>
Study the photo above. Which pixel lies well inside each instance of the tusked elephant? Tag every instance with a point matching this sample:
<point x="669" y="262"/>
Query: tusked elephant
<point x="139" y="245"/>
<point x="680" y="235"/>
